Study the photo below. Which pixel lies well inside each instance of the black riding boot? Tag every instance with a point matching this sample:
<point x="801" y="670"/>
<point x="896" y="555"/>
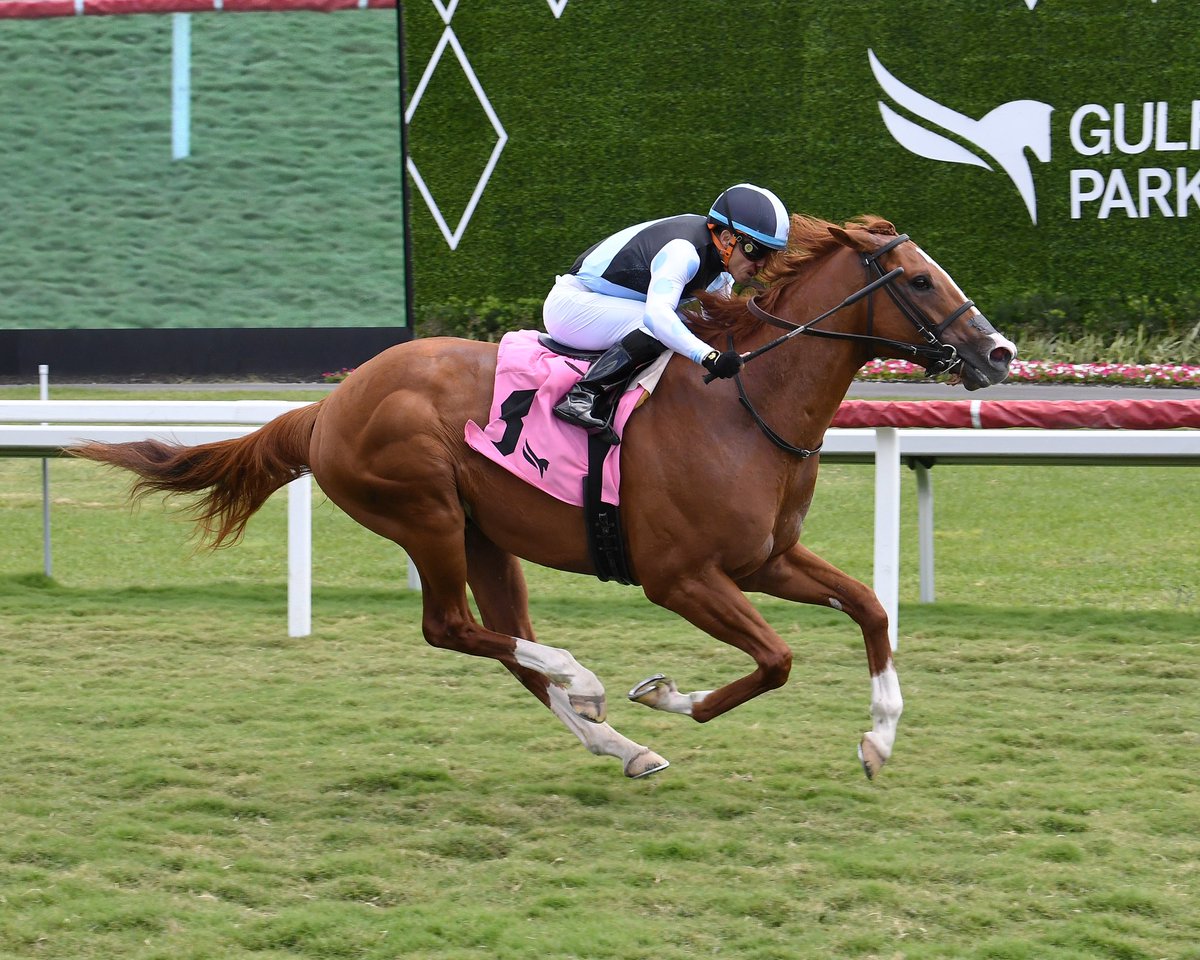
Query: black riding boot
<point x="591" y="402"/>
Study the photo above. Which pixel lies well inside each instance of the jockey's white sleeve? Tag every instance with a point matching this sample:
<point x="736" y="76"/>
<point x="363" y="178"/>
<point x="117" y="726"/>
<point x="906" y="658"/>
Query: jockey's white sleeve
<point x="673" y="266"/>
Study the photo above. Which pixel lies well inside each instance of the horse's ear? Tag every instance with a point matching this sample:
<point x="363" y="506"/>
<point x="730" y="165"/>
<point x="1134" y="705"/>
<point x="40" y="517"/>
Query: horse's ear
<point x="847" y="239"/>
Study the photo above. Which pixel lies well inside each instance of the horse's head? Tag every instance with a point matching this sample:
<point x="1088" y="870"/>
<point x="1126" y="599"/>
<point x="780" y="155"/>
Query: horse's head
<point x="933" y="322"/>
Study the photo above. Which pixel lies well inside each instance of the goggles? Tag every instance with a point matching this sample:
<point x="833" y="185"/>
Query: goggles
<point x="751" y="249"/>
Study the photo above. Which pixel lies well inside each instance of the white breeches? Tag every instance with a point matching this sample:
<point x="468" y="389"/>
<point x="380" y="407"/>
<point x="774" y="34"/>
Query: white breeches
<point x="576" y="316"/>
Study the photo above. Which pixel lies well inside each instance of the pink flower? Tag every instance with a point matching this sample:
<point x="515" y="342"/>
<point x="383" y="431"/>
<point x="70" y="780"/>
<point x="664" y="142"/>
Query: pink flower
<point x="1041" y="371"/>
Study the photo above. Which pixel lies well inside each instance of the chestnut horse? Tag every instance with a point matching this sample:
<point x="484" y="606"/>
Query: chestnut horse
<point x="713" y="495"/>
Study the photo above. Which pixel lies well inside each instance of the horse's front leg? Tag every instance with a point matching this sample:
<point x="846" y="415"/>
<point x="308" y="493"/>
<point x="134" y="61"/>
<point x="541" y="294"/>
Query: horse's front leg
<point x="714" y="603"/>
<point x="802" y="576"/>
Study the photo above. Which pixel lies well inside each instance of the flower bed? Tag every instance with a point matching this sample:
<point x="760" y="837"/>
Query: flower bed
<point x="1043" y="371"/>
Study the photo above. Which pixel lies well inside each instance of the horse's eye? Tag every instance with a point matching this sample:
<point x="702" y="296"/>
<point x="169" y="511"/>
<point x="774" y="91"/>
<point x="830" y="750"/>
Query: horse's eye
<point x="922" y="282"/>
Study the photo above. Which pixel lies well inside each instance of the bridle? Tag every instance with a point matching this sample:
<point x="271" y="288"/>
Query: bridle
<point x="934" y="355"/>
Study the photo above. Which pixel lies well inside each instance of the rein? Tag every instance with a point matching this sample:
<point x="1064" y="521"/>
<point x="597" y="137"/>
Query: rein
<point x="935" y="356"/>
<point x="940" y="357"/>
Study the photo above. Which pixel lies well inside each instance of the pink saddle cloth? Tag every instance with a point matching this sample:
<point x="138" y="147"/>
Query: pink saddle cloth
<point x="525" y="437"/>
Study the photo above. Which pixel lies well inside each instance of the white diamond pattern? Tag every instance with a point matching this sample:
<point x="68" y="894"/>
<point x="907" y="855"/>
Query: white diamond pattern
<point x="446" y="10"/>
<point x="448" y="39"/>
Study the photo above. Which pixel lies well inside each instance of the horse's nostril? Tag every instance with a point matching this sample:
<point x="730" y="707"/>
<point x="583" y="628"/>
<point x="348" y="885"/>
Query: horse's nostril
<point x="1001" y="356"/>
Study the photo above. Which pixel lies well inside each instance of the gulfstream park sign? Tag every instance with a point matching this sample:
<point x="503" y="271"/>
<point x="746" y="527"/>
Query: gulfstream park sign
<point x="1144" y="191"/>
<point x="1156" y="132"/>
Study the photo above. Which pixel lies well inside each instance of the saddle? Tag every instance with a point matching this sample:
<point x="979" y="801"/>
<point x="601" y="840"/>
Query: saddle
<point x="563" y="350"/>
<point x="533" y="372"/>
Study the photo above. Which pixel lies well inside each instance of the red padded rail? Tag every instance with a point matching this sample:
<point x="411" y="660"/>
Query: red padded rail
<point x="1155" y="414"/>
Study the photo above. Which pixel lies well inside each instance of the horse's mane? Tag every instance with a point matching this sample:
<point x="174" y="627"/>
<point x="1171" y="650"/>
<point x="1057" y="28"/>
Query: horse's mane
<point x="809" y="242"/>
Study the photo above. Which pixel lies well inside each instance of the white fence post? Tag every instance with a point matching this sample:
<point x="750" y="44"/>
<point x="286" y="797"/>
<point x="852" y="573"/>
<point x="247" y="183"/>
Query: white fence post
<point x="47" y="547"/>
<point x="300" y="556"/>
<point x="925" y="529"/>
<point x="887" y="526"/>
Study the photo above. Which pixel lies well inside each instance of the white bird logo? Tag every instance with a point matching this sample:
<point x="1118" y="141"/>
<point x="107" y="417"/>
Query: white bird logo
<point x="1004" y="134"/>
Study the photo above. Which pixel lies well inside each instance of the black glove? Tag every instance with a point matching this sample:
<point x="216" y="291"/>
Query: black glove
<point x="723" y="365"/>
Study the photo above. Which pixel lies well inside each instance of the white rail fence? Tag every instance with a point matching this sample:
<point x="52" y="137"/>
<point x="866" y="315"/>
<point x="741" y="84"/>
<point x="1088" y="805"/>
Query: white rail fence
<point x="889" y="448"/>
<point x="42" y="428"/>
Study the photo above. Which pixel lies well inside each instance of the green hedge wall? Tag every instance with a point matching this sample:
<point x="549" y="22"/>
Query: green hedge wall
<point x="632" y="109"/>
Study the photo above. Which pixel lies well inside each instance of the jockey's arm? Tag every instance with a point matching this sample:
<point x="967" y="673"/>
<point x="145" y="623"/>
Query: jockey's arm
<point x="673" y="266"/>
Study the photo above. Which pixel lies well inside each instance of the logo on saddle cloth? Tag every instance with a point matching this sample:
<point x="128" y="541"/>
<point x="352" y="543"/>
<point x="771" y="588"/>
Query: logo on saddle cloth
<point x="526" y="439"/>
<point x="533" y="459"/>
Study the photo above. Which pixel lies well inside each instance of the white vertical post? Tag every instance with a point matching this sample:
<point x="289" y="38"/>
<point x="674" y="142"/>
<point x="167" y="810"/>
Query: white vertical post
<point x="300" y="556"/>
<point x="414" y="578"/>
<point x="181" y="86"/>
<point x="887" y="526"/>
<point x="47" y="550"/>
<point x="925" y="530"/>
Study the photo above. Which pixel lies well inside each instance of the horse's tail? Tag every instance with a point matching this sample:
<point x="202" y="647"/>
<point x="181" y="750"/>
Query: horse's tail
<point x="236" y="475"/>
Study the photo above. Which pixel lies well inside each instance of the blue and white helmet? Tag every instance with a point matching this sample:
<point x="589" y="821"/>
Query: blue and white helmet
<point x="752" y="212"/>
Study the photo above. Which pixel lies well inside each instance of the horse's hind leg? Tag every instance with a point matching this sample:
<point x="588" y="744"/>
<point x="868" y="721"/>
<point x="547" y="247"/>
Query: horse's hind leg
<point x="437" y="546"/>
<point x="498" y="585"/>
<point x="428" y="522"/>
<point x="802" y="576"/>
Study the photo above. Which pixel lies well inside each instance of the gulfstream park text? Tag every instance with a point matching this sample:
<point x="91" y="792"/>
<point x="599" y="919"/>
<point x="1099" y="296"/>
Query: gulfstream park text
<point x="1139" y="192"/>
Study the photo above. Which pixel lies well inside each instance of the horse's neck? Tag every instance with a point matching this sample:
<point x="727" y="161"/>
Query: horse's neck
<point x="802" y="382"/>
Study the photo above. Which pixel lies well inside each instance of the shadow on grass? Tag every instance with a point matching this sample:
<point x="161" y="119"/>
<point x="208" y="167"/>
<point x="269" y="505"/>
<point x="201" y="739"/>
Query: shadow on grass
<point x="982" y="621"/>
<point x="954" y="621"/>
<point x="37" y="594"/>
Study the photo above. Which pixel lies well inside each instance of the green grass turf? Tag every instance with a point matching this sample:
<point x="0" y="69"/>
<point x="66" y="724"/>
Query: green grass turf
<point x="287" y="212"/>
<point x="180" y="779"/>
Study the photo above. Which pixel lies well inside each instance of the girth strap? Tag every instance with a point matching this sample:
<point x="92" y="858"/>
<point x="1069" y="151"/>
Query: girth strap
<point x="606" y="541"/>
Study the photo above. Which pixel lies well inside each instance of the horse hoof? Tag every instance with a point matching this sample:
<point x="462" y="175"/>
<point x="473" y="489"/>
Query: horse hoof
<point x="592" y="708"/>
<point x="871" y="759"/>
<point x="646" y="691"/>
<point x="644" y="764"/>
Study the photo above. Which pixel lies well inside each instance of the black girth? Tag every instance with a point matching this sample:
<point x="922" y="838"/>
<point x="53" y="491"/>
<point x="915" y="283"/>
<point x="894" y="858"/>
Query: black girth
<point x="602" y="520"/>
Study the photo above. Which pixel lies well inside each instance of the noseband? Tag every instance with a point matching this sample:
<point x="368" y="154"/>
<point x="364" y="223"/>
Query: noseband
<point x="934" y="355"/>
<point x="941" y="357"/>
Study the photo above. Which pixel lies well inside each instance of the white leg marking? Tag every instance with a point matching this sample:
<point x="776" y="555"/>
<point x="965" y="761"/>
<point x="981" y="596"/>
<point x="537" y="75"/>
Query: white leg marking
<point x="660" y="693"/>
<point x="886" y="707"/>
<point x="599" y="738"/>
<point x="559" y="667"/>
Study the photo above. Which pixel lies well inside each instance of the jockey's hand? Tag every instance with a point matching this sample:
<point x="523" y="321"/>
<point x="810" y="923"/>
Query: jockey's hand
<point x="723" y="365"/>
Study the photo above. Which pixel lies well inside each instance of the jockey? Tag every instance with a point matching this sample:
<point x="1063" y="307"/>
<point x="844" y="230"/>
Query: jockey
<point x="622" y="295"/>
